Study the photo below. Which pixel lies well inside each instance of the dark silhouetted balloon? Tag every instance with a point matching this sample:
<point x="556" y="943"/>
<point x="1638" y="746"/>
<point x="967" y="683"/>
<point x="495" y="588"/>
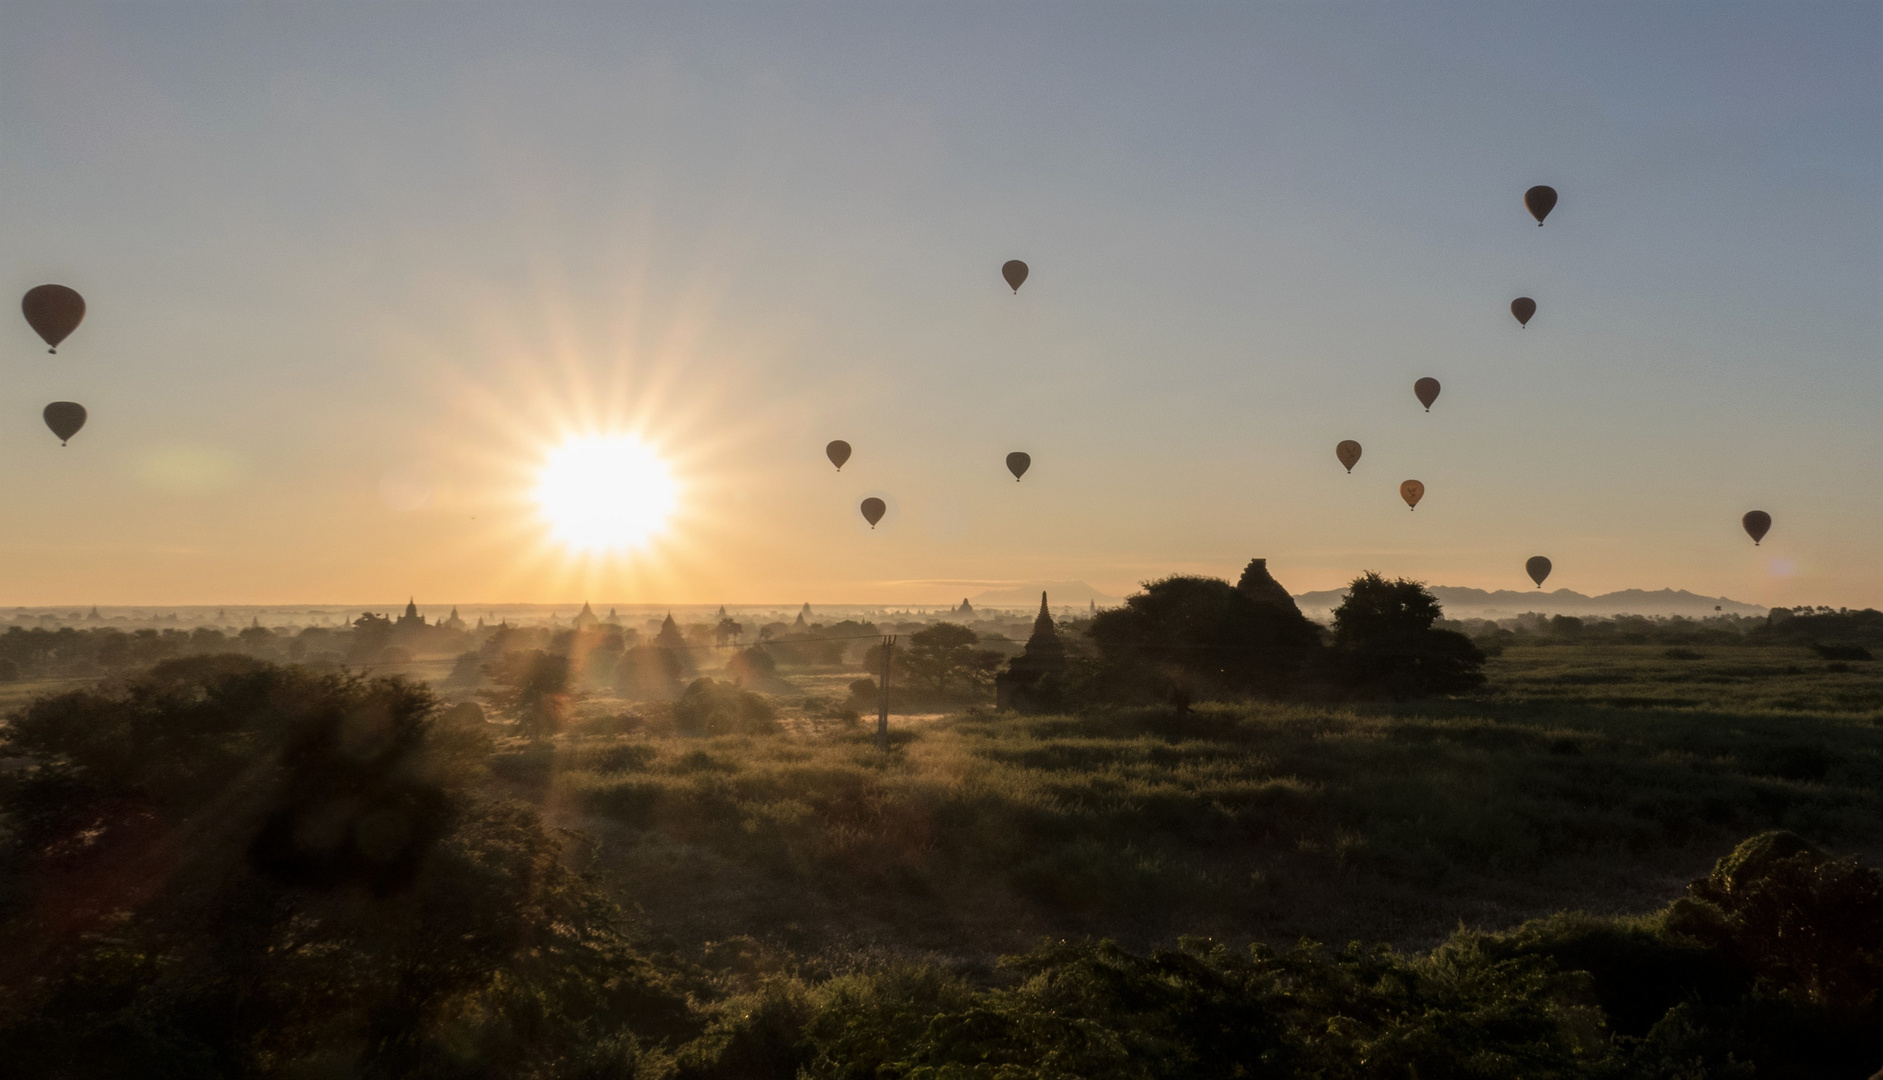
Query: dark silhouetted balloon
<point x="1540" y="200"/>
<point x="1017" y="463"/>
<point x="1015" y="273"/>
<point x="1427" y="391"/>
<point x="1348" y="452"/>
<point x="1757" y="523"/>
<point x="838" y="452"/>
<point x="1412" y="491"/>
<point x="1538" y="568"/>
<point x="53" y="311"/>
<point x="1523" y="307"/>
<point x="65" y="418"/>
<point x="873" y="509"/>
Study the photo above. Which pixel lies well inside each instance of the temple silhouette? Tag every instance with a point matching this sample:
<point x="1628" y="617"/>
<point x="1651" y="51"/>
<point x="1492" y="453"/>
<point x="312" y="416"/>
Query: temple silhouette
<point x="1030" y="681"/>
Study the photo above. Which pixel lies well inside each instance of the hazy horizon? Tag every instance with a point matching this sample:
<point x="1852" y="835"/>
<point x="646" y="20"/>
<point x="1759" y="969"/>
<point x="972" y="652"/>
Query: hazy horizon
<point x="355" y="275"/>
<point x="1017" y="599"/>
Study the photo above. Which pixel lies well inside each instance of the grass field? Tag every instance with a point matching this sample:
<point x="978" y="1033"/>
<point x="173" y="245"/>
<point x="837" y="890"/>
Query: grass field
<point x="1600" y="778"/>
<point x="802" y="902"/>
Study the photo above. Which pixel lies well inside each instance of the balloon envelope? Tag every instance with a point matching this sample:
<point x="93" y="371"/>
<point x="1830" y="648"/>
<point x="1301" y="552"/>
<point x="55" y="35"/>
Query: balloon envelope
<point x="1538" y="568"/>
<point x="1017" y="463"/>
<point x="65" y="418"/>
<point x="873" y="509"/>
<point x="838" y="452"/>
<point x="1348" y="452"/>
<point x="1427" y="392"/>
<point x="1015" y="273"/>
<point x="1757" y="523"/>
<point x="1412" y="491"/>
<point x="1523" y="307"/>
<point x="1540" y="200"/>
<point x="53" y="311"/>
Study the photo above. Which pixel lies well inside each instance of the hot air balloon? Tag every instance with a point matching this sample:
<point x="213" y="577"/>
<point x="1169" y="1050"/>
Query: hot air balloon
<point x="1017" y="463"/>
<point x="1540" y="200"/>
<point x="838" y="452"/>
<point x="65" y="418"/>
<point x="1412" y="491"/>
<point x="53" y="311"/>
<point x="1348" y="452"/>
<point x="873" y="509"/>
<point x="1427" y="392"/>
<point x="1757" y="523"/>
<point x="1538" y="568"/>
<point x="1523" y="307"/>
<point x="1015" y="273"/>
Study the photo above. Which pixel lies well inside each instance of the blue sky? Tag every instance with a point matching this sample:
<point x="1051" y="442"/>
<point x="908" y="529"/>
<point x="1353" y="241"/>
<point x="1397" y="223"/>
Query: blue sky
<point x="339" y="253"/>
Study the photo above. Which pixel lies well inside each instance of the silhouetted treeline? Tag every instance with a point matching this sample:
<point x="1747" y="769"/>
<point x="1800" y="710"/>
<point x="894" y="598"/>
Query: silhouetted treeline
<point x="1784" y="626"/>
<point x="38" y="652"/>
<point x="1186" y="639"/>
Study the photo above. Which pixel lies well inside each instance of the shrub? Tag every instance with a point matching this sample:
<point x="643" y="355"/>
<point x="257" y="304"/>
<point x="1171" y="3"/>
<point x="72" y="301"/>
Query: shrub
<point x="1842" y="652"/>
<point x="210" y="940"/>
<point x="1799" y="920"/>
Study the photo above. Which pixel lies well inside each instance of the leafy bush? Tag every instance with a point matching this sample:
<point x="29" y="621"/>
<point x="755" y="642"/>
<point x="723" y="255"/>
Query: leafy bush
<point x="1772" y="963"/>
<point x="1568" y="996"/>
<point x="206" y="938"/>
<point x="1801" y="922"/>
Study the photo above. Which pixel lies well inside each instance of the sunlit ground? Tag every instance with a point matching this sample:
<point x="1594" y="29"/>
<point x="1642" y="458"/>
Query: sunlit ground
<point x="600" y="493"/>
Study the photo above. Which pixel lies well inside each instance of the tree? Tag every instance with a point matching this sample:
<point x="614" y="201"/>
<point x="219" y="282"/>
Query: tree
<point x="651" y="672"/>
<point x="706" y="707"/>
<point x="727" y="631"/>
<point x="1385" y="640"/>
<point x="371" y="634"/>
<point x="1187" y="637"/>
<point x="944" y="657"/>
<point x="257" y="639"/>
<point x="754" y="665"/>
<point x="534" y="690"/>
<point x="467" y="671"/>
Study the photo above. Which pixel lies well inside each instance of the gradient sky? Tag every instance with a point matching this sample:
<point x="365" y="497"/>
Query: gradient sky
<point x="353" y="269"/>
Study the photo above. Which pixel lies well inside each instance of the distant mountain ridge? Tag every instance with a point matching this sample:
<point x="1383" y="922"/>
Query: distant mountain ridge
<point x="1463" y="603"/>
<point x="1069" y="593"/>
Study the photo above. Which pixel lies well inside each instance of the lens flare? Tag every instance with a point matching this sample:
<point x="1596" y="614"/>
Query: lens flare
<point x="605" y="493"/>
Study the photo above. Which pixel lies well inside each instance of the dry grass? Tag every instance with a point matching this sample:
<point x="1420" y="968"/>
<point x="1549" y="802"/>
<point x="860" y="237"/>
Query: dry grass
<point x="979" y="834"/>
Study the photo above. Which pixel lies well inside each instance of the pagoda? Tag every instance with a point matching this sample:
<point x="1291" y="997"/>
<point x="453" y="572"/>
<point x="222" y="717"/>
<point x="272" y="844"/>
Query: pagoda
<point x="1021" y="687"/>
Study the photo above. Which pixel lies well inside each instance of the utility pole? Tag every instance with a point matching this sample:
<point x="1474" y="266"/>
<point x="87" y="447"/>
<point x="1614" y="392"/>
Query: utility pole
<point x="882" y="716"/>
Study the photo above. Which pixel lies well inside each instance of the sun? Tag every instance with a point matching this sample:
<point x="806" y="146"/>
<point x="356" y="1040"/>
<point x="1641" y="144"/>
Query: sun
<point x="601" y="493"/>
